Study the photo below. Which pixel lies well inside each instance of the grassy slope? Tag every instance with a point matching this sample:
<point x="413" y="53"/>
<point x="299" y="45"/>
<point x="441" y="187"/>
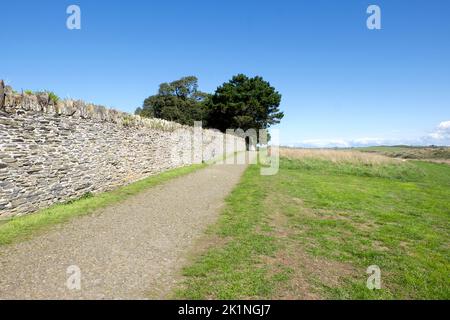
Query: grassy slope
<point x="24" y="226"/>
<point x="312" y="230"/>
<point x="436" y="153"/>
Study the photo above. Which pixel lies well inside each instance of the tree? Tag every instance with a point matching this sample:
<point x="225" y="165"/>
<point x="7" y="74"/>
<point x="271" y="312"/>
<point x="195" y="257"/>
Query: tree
<point x="178" y="101"/>
<point x="244" y="103"/>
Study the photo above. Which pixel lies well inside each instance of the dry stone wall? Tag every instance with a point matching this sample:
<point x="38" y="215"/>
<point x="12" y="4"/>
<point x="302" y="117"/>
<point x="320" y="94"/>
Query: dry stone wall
<point x="54" y="151"/>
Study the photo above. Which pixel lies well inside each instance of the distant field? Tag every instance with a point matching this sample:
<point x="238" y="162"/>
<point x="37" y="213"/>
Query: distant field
<point x="405" y="152"/>
<point x="311" y="231"/>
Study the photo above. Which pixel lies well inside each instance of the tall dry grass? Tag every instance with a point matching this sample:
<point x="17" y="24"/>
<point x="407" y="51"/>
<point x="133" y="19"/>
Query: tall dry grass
<point x="338" y="156"/>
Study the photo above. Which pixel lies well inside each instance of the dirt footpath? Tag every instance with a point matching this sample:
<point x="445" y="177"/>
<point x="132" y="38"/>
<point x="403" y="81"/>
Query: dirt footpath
<point x="131" y="250"/>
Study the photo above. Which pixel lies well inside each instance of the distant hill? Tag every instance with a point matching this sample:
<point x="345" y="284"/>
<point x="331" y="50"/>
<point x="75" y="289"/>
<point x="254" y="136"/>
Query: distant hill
<point x="411" y="152"/>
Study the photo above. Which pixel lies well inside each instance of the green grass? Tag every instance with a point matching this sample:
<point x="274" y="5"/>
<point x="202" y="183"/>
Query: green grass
<point x="22" y="227"/>
<point x="52" y="96"/>
<point x="229" y="271"/>
<point x="403" y="172"/>
<point x="345" y="216"/>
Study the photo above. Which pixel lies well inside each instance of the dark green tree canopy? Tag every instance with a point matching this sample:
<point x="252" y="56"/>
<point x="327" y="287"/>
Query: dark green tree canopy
<point x="178" y="101"/>
<point x="245" y="103"/>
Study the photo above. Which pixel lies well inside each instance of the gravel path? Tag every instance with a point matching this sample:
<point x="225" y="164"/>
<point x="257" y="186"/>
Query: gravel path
<point x="132" y="250"/>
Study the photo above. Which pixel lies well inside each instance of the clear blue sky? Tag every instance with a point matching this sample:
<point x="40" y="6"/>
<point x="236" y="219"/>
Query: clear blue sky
<point x="340" y="81"/>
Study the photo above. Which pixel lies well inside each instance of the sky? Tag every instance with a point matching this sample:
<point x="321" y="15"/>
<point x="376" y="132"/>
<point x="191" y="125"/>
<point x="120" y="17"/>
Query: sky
<point x="341" y="83"/>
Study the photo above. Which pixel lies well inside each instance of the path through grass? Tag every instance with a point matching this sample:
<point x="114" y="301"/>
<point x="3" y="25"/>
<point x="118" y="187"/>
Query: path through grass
<point x="312" y="230"/>
<point x="22" y="227"/>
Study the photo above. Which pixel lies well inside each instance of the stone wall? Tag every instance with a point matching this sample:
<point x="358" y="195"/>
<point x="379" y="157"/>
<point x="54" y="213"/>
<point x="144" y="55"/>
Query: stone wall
<point x="54" y="151"/>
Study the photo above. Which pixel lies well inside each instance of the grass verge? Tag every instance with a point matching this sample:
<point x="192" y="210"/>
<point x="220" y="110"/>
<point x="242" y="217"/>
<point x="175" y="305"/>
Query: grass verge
<point x="312" y="230"/>
<point x="22" y="227"/>
<point x="406" y="152"/>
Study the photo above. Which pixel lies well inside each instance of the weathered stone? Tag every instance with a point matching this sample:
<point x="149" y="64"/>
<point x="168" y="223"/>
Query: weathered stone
<point x="18" y="202"/>
<point x="30" y="102"/>
<point x="7" y="122"/>
<point x="43" y="99"/>
<point x="50" y="154"/>
<point x="80" y="109"/>
<point x="33" y="170"/>
<point x="59" y="106"/>
<point x="2" y="93"/>
<point x="67" y="108"/>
